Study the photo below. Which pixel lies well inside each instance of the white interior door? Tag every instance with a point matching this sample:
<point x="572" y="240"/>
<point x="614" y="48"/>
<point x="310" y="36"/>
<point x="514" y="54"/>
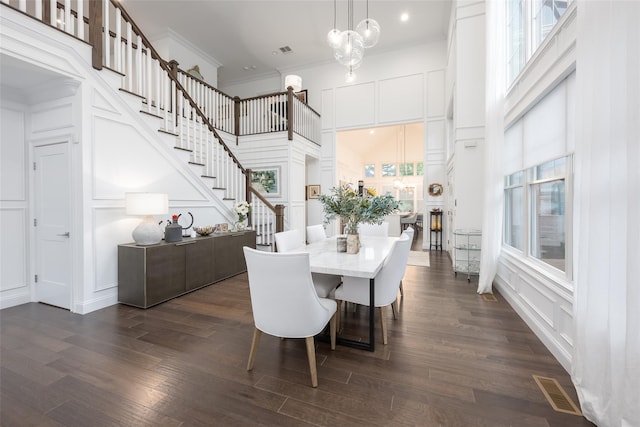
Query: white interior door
<point x="52" y="210"/>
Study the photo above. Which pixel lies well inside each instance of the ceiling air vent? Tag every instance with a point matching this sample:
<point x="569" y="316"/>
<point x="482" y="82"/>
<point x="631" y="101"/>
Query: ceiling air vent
<point x="286" y="49"/>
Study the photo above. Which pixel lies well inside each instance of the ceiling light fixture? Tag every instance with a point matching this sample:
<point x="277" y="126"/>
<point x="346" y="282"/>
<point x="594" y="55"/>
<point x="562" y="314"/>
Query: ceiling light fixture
<point x="349" y="45"/>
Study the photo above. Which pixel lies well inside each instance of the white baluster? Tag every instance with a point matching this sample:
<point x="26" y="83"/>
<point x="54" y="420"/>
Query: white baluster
<point x="68" y="26"/>
<point x="106" y="36"/>
<point x="80" y="10"/>
<point x="22" y="5"/>
<point x="129" y="64"/>
<point x="53" y="13"/>
<point x="38" y="8"/>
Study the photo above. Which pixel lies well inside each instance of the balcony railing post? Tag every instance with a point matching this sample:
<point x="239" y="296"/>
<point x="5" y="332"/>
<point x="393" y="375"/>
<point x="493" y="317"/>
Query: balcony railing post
<point x="247" y="188"/>
<point x="236" y="117"/>
<point x="279" y="218"/>
<point x="95" y="32"/>
<point x="289" y="114"/>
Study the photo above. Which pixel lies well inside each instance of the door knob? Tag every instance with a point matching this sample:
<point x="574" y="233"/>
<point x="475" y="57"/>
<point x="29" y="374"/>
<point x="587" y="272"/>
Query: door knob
<point x="64" y="234"/>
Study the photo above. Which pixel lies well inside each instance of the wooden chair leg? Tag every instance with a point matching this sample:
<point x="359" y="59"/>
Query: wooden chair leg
<point x="257" y="333"/>
<point x="338" y="314"/>
<point x="383" y="325"/>
<point x="393" y="309"/>
<point x="401" y="290"/>
<point x="311" y="355"/>
<point x="332" y="329"/>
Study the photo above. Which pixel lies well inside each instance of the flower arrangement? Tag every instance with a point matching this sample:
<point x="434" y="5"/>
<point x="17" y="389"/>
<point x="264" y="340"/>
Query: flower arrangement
<point x="346" y="203"/>
<point x="242" y="210"/>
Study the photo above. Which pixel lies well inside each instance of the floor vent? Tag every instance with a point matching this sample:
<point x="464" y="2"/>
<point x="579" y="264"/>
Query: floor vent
<point x="557" y="397"/>
<point x="489" y="297"/>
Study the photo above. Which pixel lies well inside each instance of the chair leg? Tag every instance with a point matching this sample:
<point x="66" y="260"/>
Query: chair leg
<point x="332" y="329"/>
<point x="383" y="325"/>
<point x="401" y="290"/>
<point x="257" y="333"/>
<point x="393" y="309"/>
<point x="311" y="355"/>
<point x="338" y="314"/>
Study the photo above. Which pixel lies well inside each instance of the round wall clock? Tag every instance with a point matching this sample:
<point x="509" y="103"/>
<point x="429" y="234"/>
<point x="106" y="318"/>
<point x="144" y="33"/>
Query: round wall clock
<point x="435" y="189"/>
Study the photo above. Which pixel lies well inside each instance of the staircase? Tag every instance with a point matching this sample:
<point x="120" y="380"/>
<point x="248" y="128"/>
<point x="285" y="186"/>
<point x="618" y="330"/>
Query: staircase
<point x="186" y="111"/>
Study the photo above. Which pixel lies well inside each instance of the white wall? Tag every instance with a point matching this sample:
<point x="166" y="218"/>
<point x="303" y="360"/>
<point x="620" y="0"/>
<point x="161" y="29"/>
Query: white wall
<point x="172" y="46"/>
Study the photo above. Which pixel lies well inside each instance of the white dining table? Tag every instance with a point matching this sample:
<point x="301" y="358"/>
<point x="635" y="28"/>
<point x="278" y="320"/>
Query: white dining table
<point x="325" y="258"/>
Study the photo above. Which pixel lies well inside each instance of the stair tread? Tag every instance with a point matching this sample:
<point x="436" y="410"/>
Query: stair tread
<point x="196" y="163"/>
<point x="183" y="149"/>
<point x="208" y="176"/>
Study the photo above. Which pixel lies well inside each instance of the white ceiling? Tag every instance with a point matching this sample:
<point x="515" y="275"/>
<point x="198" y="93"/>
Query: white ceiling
<point x="246" y="33"/>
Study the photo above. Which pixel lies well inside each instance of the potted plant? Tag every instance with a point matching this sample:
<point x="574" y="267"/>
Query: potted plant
<point x="345" y="203"/>
<point x="242" y="210"/>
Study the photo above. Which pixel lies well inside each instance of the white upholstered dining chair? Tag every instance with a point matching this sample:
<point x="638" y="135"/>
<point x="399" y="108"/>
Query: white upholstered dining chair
<point x="387" y="282"/>
<point x="315" y="233"/>
<point x="284" y="302"/>
<point x="292" y="241"/>
<point x="374" y="229"/>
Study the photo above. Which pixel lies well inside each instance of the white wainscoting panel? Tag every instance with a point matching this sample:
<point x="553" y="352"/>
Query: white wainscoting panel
<point x="13" y="249"/>
<point x="327" y="109"/>
<point x="435" y="135"/>
<point x="355" y="105"/>
<point x="111" y="228"/>
<point x="435" y="93"/>
<point x="12" y="156"/>
<point x="123" y="160"/>
<point x="401" y="99"/>
<point x="52" y="117"/>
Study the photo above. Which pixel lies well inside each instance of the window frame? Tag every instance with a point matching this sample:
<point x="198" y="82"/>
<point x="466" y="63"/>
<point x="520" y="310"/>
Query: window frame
<point x="528" y="221"/>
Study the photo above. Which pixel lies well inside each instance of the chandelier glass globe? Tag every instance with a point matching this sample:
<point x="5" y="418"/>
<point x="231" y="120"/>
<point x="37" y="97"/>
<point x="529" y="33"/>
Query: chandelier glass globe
<point x="333" y="38"/>
<point x="369" y="29"/>
<point x="350" y="77"/>
<point x="351" y="49"/>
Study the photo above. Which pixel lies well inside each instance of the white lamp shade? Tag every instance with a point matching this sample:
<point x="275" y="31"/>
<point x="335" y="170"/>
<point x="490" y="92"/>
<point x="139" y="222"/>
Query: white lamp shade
<point x="146" y="203"/>
<point x="294" y="81"/>
<point x="148" y="232"/>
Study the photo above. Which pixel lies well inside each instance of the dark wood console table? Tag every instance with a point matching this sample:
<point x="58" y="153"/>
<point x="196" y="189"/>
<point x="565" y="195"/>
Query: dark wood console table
<point x="149" y="275"/>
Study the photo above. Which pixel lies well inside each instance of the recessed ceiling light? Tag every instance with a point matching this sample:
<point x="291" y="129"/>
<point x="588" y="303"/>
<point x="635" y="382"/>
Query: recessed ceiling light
<point x="371" y="132"/>
<point x="249" y="67"/>
<point x="404" y="17"/>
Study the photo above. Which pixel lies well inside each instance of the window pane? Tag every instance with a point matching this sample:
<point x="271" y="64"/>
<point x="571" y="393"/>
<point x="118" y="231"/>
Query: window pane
<point x="514" y="179"/>
<point x="406" y="169"/>
<point x="420" y="169"/>
<point x="548" y="223"/>
<point x="545" y="15"/>
<point x="388" y="169"/>
<point x="405" y="199"/>
<point x="552" y="169"/>
<point x="369" y="171"/>
<point x="515" y="39"/>
<point x="513" y="215"/>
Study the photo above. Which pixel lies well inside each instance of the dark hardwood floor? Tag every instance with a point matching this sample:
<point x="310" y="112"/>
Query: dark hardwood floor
<point x="453" y="359"/>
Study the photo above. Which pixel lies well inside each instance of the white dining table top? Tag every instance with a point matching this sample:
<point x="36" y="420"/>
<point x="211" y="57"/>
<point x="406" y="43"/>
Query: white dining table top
<point x="325" y="258"/>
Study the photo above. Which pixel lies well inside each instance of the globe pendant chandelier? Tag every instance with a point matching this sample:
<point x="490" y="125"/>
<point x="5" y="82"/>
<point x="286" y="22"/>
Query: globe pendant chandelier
<point x="349" y="45"/>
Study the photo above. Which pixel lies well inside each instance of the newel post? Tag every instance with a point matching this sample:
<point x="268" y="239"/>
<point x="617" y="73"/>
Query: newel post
<point x="236" y="119"/>
<point x="173" y="72"/>
<point x="279" y="218"/>
<point x="247" y="189"/>
<point x="289" y="114"/>
<point x="95" y="32"/>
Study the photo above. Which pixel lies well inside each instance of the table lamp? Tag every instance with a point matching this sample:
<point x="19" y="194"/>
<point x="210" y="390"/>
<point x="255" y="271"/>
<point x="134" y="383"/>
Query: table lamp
<point x="148" y="232"/>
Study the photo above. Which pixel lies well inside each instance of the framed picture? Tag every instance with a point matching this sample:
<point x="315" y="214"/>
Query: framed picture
<point x="267" y="181"/>
<point x="313" y="191"/>
<point x="302" y="95"/>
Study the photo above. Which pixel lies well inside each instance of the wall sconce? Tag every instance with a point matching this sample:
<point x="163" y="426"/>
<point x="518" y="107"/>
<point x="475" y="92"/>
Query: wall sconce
<point x="148" y="232"/>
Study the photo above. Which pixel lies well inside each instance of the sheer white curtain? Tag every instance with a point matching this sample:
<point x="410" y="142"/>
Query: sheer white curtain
<point x="494" y="135"/>
<point x="606" y="358"/>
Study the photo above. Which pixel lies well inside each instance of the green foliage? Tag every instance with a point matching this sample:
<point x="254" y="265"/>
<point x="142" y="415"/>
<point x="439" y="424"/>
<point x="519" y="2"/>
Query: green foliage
<point x="354" y="209"/>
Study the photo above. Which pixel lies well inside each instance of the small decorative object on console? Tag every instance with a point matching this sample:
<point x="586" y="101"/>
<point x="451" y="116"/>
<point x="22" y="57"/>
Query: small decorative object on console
<point x="204" y="231"/>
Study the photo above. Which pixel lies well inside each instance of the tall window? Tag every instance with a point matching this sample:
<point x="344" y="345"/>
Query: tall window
<point x="547" y="212"/>
<point x="514" y="211"/>
<point x="535" y="213"/>
<point x="528" y="24"/>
